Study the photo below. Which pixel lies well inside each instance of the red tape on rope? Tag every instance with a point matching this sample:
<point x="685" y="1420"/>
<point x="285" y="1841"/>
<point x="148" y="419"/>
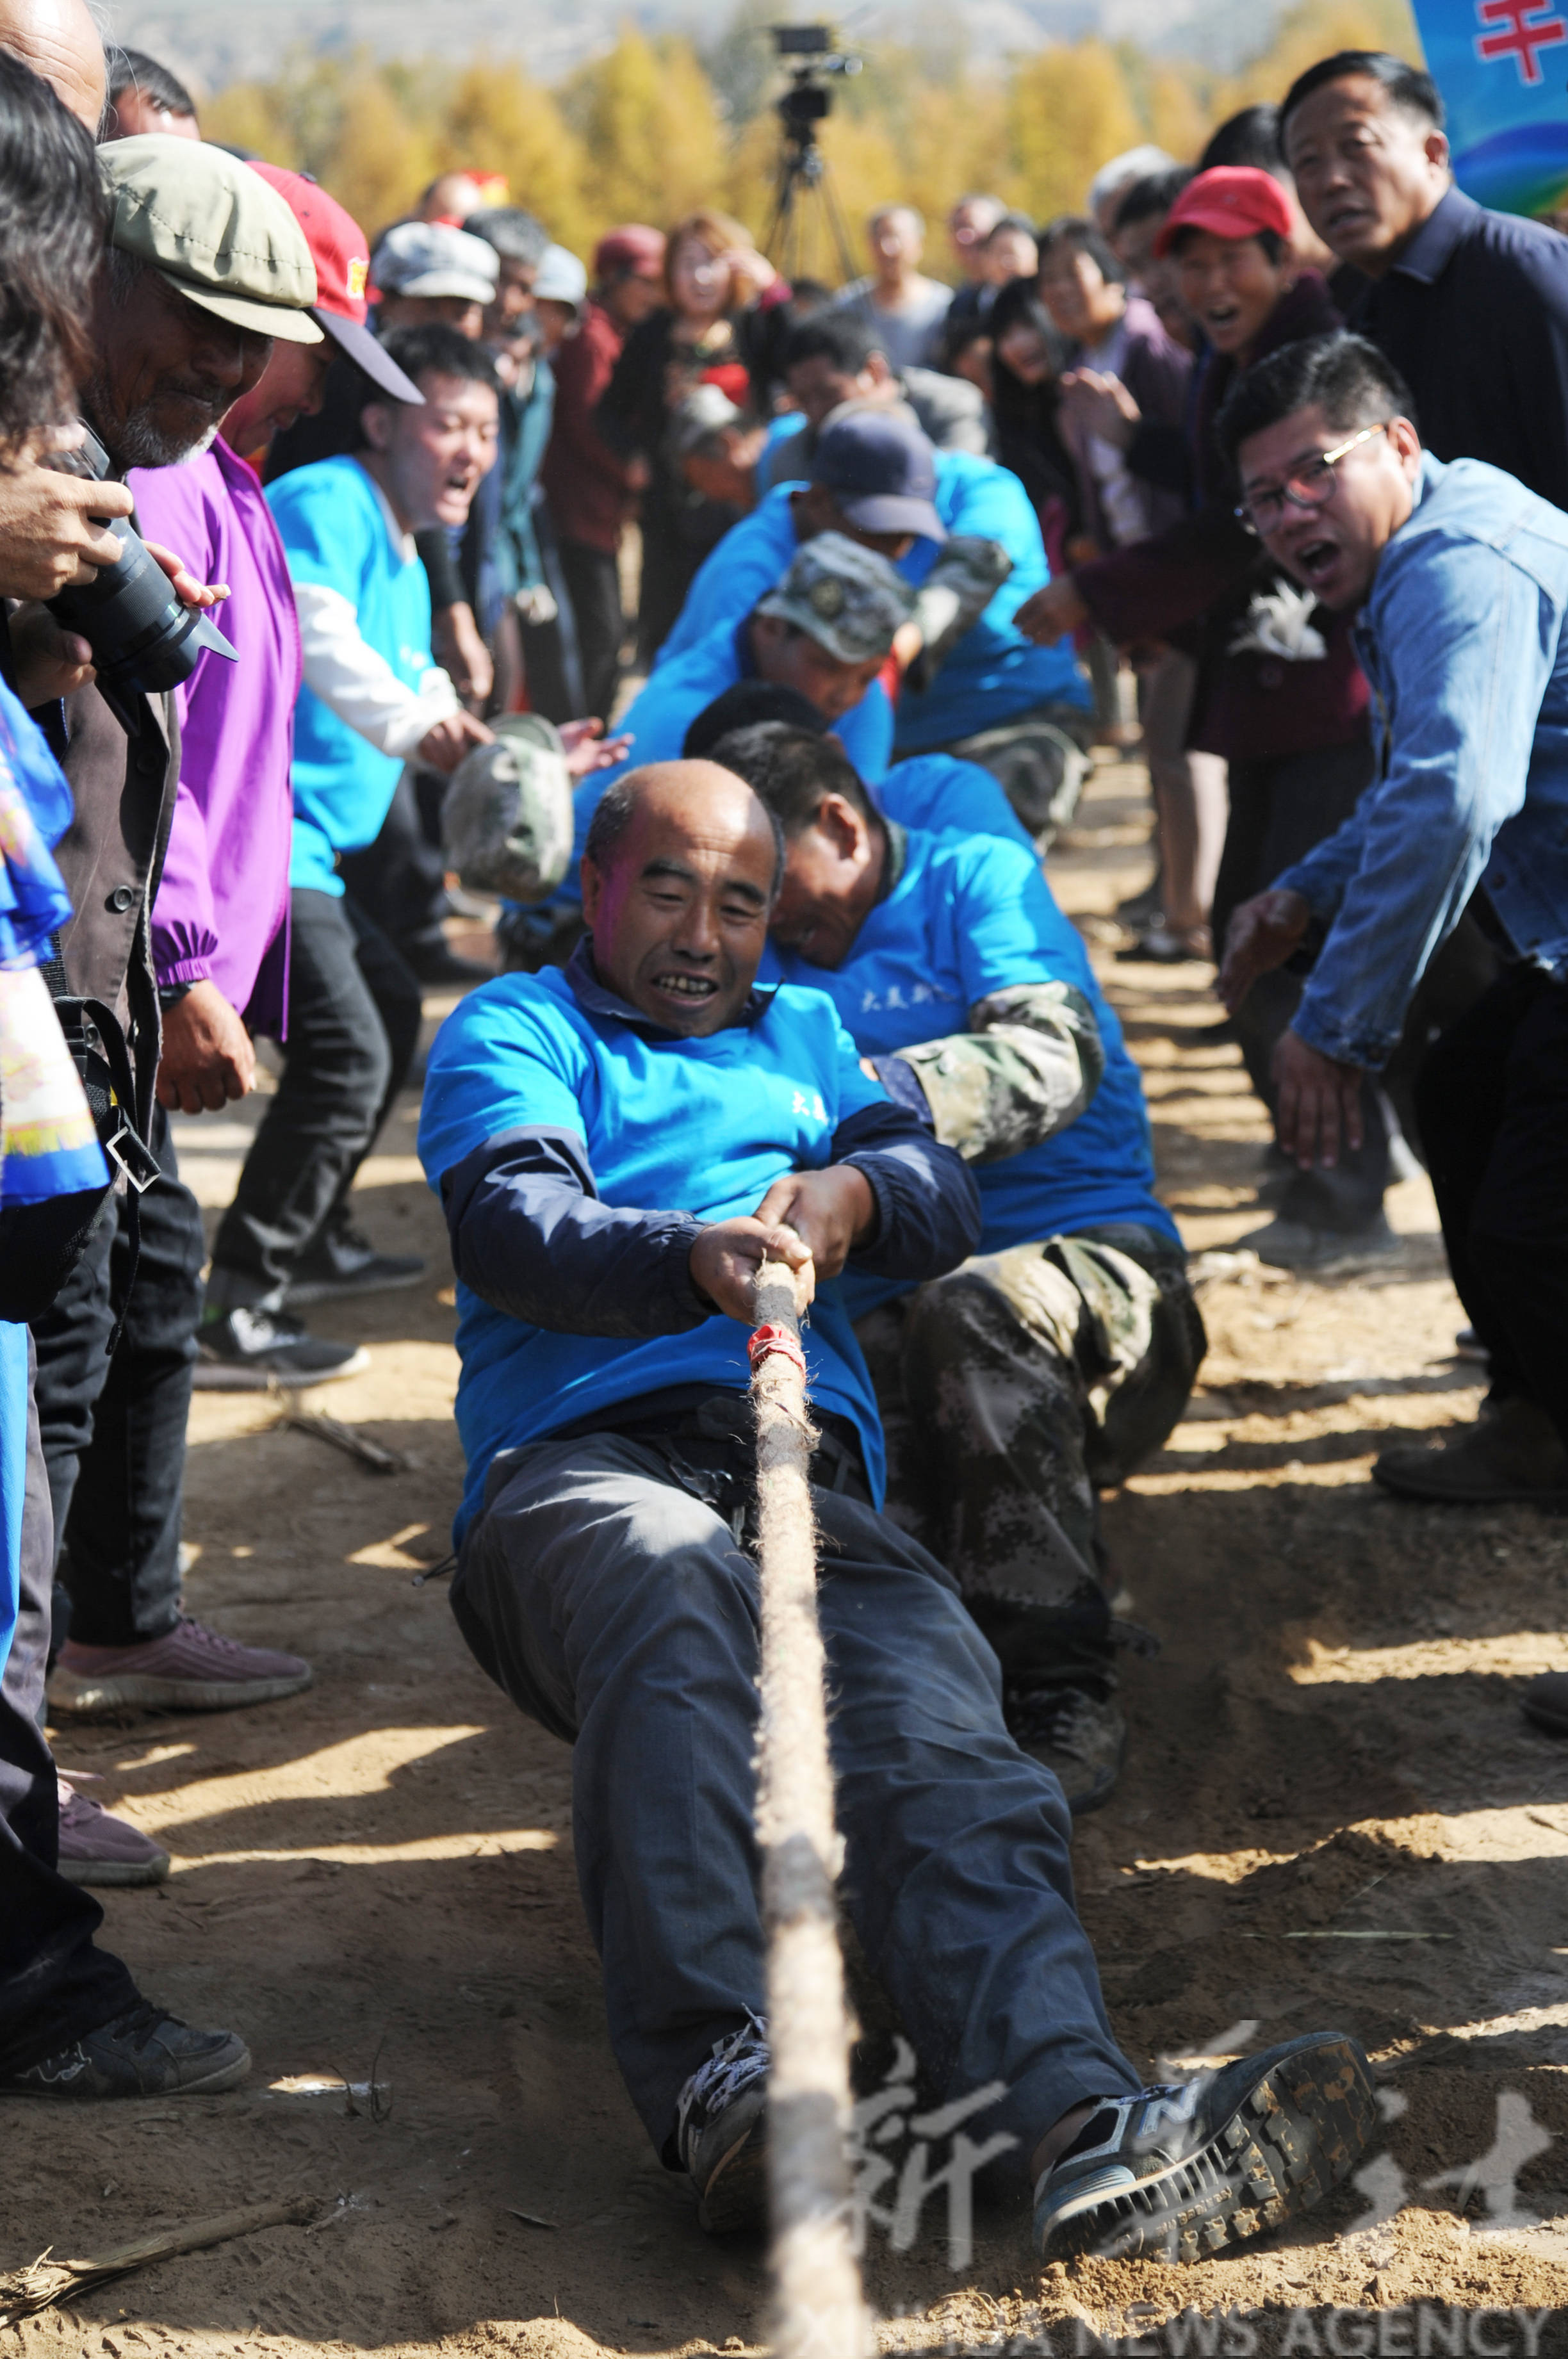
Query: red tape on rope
<point x="769" y="1339"/>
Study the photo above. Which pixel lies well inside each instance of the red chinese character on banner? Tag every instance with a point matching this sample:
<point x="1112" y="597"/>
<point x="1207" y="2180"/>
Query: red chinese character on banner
<point x="1521" y="37"/>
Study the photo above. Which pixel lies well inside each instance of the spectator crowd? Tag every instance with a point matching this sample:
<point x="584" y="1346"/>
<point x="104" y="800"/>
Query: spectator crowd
<point x="736" y="650"/>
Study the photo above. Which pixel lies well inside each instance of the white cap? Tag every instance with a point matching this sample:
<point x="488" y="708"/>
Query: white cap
<point x="560" y="278"/>
<point x="430" y="258"/>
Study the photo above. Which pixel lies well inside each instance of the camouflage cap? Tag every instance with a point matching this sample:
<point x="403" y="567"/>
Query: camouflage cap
<point x="507" y="817"/>
<point x="849" y="599"/>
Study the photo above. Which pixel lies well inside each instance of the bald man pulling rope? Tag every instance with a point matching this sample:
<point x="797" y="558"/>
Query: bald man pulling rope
<point x="605" y="1579"/>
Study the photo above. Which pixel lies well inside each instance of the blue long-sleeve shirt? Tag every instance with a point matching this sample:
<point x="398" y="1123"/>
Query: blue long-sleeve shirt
<point x="578" y="1148"/>
<point x="1463" y="641"/>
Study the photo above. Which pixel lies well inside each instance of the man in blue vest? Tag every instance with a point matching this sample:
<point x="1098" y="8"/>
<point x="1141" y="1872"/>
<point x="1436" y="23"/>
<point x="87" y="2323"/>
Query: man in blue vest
<point x="616" y="1146"/>
<point x="1063" y="1352"/>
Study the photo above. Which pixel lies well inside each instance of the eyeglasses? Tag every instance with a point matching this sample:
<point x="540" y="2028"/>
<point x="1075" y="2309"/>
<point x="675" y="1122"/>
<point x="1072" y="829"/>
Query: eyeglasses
<point x="1309" y="485"/>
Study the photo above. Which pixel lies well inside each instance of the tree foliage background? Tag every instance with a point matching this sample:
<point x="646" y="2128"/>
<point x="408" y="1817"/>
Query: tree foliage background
<point x="659" y="125"/>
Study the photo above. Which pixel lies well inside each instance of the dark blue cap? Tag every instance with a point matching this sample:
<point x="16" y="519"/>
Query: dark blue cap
<point x="881" y="471"/>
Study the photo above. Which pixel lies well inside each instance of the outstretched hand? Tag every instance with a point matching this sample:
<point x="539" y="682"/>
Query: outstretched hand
<point x="1262" y="934"/>
<point x="1052" y="612"/>
<point x="588" y="749"/>
<point x="1319" y="1106"/>
<point x="1100" y="404"/>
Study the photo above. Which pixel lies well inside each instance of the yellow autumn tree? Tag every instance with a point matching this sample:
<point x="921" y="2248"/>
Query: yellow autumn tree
<point x="381" y="159"/>
<point x="654" y="145"/>
<point x="496" y="120"/>
<point x="246" y="114"/>
<point x="1069" y="111"/>
<point x="1316" y="29"/>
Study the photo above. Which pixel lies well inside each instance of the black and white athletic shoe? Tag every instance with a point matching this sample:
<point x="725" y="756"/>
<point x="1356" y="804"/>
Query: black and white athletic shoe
<point x="145" y="2052"/>
<point x="720" y="2126"/>
<point x="1179" y="2173"/>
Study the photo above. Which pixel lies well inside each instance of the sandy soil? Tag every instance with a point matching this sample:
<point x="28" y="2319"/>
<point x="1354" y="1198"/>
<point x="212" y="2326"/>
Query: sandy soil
<point x="373" y="1881"/>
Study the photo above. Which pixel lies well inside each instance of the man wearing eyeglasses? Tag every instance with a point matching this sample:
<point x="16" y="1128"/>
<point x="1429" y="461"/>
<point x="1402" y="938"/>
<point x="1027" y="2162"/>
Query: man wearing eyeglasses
<point x="1458" y="577"/>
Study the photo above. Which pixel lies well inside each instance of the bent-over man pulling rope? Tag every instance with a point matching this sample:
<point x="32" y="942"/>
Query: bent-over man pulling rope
<point x="608" y="1580"/>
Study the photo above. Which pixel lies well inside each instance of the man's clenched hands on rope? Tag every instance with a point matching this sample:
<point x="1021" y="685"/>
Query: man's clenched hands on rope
<point x="810" y="1221"/>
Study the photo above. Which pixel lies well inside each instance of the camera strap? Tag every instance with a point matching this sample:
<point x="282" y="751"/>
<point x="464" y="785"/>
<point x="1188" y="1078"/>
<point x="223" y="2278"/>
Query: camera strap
<point x="101" y="1055"/>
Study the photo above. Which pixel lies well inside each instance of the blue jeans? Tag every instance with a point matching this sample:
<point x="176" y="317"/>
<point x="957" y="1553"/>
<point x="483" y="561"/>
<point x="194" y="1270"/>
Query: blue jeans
<point x="617" y="1609"/>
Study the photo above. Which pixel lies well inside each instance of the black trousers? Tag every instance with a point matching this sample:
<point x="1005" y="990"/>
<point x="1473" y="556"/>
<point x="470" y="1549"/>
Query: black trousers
<point x="113" y="1430"/>
<point x="593" y="579"/>
<point x="55" y="1983"/>
<point x="1278" y="811"/>
<point x="353" y="1025"/>
<point x="1492" y="1098"/>
<point x="399" y="881"/>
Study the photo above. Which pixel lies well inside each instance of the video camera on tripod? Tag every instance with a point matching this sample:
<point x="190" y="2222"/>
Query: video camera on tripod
<point x="803" y="168"/>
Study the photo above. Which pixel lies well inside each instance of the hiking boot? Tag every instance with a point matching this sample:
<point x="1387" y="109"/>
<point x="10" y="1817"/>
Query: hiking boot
<point x="1285" y="1243"/>
<point x="190" y="1668"/>
<point x="96" y="1847"/>
<point x="344" y="1262"/>
<point x="1512" y="1452"/>
<point x="1078" y="1732"/>
<point x="142" y="2053"/>
<point x="1178" y="2173"/>
<point x="721" y="2132"/>
<point x="245" y="1351"/>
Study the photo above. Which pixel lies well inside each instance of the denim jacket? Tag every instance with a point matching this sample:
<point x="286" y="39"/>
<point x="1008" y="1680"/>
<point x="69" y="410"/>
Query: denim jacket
<point x="1463" y="641"/>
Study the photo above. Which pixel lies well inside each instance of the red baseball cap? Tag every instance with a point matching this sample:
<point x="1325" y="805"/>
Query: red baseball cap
<point x="342" y="256"/>
<point x="1232" y="200"/>
<point x="634" y="247"/>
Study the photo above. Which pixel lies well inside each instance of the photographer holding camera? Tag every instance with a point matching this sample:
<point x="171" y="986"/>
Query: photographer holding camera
<point x="72" y="2023"/>
<point x="204" y="266"/>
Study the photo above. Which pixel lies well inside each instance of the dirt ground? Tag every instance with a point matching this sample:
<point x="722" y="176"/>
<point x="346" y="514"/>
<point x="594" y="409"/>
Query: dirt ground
<point x="1333" y="1813"/>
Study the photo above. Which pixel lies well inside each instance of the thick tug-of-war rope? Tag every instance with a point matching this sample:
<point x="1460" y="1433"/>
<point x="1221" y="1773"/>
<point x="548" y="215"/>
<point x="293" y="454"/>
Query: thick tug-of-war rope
<point x="818" y="2308"/>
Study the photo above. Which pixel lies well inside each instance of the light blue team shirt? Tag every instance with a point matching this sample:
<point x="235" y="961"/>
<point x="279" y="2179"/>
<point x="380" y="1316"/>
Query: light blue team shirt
<point x="969" y="916"/>
<point x="659" y="718"/>
<point x="1464" y="641"/>
<point x="335" y="533"/>
<point x="702" y="1126"/>
<point x="938" y="792"/>
<point x="992" y="675"/>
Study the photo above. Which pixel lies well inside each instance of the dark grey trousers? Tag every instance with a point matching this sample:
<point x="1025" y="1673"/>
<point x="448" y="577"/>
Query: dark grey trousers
<point x="618" y="1610"/>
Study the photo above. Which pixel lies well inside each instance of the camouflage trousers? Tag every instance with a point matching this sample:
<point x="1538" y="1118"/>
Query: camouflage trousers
<point x="1040" y="759"/>
<point x="1011" y="1392"/>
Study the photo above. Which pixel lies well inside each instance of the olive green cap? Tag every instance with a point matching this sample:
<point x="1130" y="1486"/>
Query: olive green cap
<point x="214" y="230"/>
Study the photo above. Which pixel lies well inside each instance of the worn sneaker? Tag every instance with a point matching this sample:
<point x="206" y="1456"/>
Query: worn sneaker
<point x="142" y="2053"/>
<point x="435" y="963"/>
<point x="190" y="1668"/>
<point x="96" y="1847"/>
<point x="721" y="2132"/>
<point x="1286" y="1244"/>
<point x="1511" y="1452"/>
<point x="345" y="1261"/>
<point x="1178" y="2173"/>
<point x="246" y="1350"/>
<point x="1078" y="1733"/>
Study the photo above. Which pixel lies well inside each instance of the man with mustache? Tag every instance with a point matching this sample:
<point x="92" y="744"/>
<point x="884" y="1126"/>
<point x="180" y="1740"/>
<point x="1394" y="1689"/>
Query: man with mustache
<point x="204" y="268"/>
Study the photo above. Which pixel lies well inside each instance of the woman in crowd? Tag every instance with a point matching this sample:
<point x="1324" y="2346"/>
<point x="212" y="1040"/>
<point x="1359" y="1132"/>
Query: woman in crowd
<point x="720" y="324"/>
<point x="1026" y="362"/>
<point x="1280" y="693"/>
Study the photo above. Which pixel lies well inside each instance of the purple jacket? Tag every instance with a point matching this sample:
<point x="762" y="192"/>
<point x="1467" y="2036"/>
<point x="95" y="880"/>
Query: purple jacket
<point x="222" y="912"/>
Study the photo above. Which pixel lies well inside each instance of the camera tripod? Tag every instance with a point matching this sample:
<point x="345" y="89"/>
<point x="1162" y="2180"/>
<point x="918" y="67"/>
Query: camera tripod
<point x="807" y="214"/>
